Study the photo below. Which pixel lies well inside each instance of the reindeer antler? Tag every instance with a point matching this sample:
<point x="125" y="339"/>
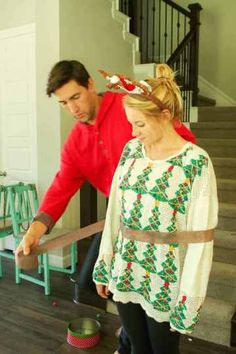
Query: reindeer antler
<point x="117" y="81"/>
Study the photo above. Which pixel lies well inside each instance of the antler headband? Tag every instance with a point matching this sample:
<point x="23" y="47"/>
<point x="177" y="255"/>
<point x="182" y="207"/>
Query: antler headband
<point x="131" y="87"/>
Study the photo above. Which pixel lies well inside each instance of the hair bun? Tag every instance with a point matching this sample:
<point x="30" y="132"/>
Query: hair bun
<point x="163" y="71"/>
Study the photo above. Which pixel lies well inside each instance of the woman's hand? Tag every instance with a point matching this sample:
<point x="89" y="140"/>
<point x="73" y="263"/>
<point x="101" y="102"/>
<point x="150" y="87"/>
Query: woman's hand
<point x="102" y="290"/>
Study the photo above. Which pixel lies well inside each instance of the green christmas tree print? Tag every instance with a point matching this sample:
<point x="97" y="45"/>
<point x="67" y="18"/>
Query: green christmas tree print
<point x="145" y="288"/>
<point x="194" y="322"/>
<point x="122" y="205"/>
<point x="168" y="273"/>
<point x="125" y="155"/>
<point x="125" y="280"/>
<point x="116" y="246"/>
<point x="112" y="268"/>
<point x="138" y="153"/>
<point x="178" y="316"/>
<point x="182" y="196"/>
<point x="154" y="221"/>
<point x="124" y="184"/>
<point x="159" y="191"/>
<point x="163" y="299"/>
<point x="172" y="226"/>
<point x="135" y="214"/>
<point x="100" y="273"/>
<point x="196" y="167"/>
<point x="178" y="160"/>
<point x="140" y="186"/>
<point x="129" y="254"/>
<point x="148" y="263"/>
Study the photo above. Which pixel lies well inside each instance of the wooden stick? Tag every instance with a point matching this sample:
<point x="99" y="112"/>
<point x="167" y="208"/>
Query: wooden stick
<point x="31" y="261"/>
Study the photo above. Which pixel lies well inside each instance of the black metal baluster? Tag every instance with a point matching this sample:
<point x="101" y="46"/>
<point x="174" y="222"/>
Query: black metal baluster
<point x="184" y="73"/>
<point x="182" y="70"/>
<point x="178" y="26"/>
<point x="127" y="6"/>
<point x="172" y="34"/>
<point x="188" y="77"/>
<point x="180" y="74"/>
<point x="147" y="34"/>
<point x="165" y="34"/>
<point x="153" y="30"/>
<point x="194" y="25"/>
<point x="185" y="25"/>
<point x="159" y="34"/>
<point x="142" y="47"/>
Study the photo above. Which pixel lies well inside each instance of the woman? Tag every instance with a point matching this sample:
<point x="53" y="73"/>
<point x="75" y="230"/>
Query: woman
<point x="156" y="251"/>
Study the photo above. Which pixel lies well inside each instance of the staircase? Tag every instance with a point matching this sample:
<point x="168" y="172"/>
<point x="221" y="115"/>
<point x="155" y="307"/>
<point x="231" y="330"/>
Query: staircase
<point x="216" y="133"/>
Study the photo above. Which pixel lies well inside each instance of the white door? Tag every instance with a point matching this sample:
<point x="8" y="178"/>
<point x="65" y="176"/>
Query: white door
<point x="18" y="153"/>
<point x="17" y="105"/>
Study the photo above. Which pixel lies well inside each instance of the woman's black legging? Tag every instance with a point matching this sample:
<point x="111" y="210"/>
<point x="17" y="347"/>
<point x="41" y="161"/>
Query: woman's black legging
<point x="146" y="335"/>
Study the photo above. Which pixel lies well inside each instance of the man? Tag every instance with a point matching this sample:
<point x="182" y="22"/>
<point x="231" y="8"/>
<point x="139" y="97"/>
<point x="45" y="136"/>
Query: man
<point x="91" y="152"/>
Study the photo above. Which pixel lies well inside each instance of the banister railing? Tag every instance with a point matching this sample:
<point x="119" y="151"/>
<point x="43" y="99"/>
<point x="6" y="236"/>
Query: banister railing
<point x="168" y="33"/>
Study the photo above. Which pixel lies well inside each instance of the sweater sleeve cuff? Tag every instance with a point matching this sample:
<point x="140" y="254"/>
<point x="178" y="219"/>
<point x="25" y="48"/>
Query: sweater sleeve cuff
<point x="46" y="220"/>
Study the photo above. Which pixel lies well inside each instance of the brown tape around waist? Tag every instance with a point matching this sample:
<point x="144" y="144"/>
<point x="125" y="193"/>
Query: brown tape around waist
<point x="168" y="237"/>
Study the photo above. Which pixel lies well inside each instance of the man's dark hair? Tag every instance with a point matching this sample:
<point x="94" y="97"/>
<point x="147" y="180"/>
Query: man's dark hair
<point x="63" y="72"/>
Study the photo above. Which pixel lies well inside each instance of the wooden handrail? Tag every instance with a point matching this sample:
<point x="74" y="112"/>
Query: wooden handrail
<point x="187" y="39"/>
<point x="31" y="261"/>
<point x="178" y="8"/>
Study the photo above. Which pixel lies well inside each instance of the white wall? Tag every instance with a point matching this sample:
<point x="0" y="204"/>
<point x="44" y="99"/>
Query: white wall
<point x="15" y="13"/>
<point x="88" y="33"/>
<point x="48" y="113"/>
<point x="217" y="43"/>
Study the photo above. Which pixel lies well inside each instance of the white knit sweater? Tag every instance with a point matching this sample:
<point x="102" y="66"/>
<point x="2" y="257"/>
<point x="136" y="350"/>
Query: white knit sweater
<point x="175" y="194"/>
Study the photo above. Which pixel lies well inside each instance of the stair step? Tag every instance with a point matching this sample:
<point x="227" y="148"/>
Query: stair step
<point x="225" y="239"/>
<point x="225" y="247"/>
<point x="227" y="210"/>
<point x="225" y="114"/>
<point x="215" y="321"/>
<point x="203" y="101"/>
<point x="214" y="129"/>
<point x="222" y="282"/>
<point x="214" y="125"/>
<point x="214" y="325"/>
<point x="224" y="167"/>
<point x="218" y="147"/>
<point x="226" y="190"/>
<point x="227" y="217"/>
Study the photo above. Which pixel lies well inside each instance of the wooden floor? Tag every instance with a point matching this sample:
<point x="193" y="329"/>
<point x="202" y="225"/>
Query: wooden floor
<point x="32" y="323"/>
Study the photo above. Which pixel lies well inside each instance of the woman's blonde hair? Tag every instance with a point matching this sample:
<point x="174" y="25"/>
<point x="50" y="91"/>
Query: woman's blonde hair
<point x="165" y="88"/>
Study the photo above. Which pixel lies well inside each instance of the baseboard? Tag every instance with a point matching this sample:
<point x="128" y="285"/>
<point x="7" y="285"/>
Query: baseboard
<point x="193" y="115"/>
<point x="209" y="90"/>
<point x="128" y="37"/>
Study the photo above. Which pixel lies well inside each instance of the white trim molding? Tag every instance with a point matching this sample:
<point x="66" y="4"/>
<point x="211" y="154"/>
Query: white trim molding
<point x="17" y="31"/>
<point x="211" y="91"/>
<point x="128" y="37"/>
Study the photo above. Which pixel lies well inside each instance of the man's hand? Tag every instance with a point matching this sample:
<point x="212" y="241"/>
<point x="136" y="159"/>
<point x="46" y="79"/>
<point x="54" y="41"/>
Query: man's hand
<point x="103" y="290"/>
<point x="31" y="238"/>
